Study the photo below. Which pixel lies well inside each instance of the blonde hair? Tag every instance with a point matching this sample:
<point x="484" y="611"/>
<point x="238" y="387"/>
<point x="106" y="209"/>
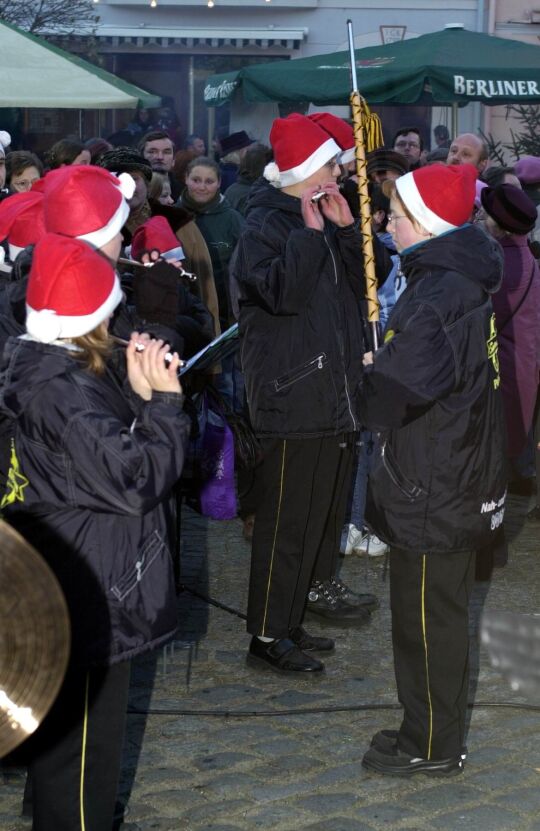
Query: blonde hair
<point x="155" y="188"/>
<point x="95" y="348"/>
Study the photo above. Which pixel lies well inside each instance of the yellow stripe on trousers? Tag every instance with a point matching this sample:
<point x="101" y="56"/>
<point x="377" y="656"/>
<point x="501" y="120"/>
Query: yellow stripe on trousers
<point x="424" y="632"/>
<point x="83" y="752"/>
<point x="282" y="476"/>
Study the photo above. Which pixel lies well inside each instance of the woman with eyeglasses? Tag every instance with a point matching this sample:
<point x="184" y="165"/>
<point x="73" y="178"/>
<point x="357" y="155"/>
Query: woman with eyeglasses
<point x="438" y="485"/>
<point x="23" y="169"/>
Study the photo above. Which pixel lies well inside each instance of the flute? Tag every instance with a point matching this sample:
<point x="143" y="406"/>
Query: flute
<point x="188" y="275"/>
<point x="140" y="347"/>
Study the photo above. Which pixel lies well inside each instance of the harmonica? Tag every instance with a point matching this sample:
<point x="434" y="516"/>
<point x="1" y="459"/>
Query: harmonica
<point x="318" y="196"/>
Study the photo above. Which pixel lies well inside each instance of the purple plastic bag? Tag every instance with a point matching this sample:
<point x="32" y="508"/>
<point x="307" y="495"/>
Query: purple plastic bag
<point x="217" y="494"/>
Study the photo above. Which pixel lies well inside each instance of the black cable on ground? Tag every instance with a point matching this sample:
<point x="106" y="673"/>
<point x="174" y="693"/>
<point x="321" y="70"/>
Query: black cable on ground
<point x="210" y="600"/>
<point x="314" y="710"/>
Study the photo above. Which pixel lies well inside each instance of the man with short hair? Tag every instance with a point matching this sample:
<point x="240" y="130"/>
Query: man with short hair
<point x="157" y="148"/>
<point x="409" y="143"/>
<point x="196" y="144"/>
<point x="469" y="149"/>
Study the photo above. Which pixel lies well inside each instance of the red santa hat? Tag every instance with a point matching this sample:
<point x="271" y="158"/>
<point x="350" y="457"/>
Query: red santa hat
<point x="156" y="233"/>
<point x="71" y="289"/>
<point x="339" y="130"/>
<point x="300" y="148"/>
<point x="440" y="197"/>
<point x="86" y="202"/>
<point x="21" y="221"/>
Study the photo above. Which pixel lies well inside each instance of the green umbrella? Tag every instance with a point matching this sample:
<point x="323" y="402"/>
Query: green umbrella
<point x="220" y="88"/>
<point x="37" y="74"/>
<point x="451" y="66"/>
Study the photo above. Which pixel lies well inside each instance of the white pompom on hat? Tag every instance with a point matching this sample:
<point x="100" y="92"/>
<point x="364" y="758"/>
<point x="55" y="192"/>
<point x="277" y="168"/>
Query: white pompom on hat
<point x="440" y="197"/>
<point x="300" y="148"/>
<point x="86" y="202"/>
<point x="5" y="141"/>
<point x="71" y="289"/>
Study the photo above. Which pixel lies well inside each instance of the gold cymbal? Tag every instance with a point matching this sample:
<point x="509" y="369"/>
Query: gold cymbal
<point x="34" y="638"/>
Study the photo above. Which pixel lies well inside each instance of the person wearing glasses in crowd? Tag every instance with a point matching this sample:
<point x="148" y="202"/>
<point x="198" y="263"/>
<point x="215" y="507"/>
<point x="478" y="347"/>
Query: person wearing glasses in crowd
<point x="408" y="141"/>
<point x="438" y="484"/>
<point x="22" y="170"/>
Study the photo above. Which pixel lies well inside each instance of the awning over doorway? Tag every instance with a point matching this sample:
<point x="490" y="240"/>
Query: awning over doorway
<point x="189" y="37"/>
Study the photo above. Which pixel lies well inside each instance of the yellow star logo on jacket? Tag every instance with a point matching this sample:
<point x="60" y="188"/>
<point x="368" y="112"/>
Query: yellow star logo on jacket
<point x="492" y="345"/>
<point x="16" y="481"/>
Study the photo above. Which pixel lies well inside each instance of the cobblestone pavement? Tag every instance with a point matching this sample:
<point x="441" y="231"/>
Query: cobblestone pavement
<point x="294" y="763"/>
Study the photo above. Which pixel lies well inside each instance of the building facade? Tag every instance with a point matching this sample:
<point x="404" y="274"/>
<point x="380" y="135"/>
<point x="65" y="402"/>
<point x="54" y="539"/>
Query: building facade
<point x="171" y="47"/>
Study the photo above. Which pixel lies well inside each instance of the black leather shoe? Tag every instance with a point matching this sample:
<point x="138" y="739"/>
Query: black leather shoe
<point x="385" y="740"/>
<point x="394" y="762"/>
<point x="281" y="655"/>
<point x="369" y="601"/>
<point x="324" y="602"/>
<point x="310" y="643"/>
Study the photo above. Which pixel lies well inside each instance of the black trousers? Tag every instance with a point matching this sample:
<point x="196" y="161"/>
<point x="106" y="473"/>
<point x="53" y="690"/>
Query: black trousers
<point x="76" y="753"/>
<point x="429" y="596"/>
<point x="303" y="489"/>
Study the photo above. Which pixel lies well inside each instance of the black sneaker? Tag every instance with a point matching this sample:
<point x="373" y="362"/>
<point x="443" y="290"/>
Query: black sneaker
<point x="387" y="739"/>
<point x="310" y="643"/>
<point x="282" y="656"/>
<point x="394" y="762"/>
<point x="369" y="601"/>
<point x="324" y="601"/>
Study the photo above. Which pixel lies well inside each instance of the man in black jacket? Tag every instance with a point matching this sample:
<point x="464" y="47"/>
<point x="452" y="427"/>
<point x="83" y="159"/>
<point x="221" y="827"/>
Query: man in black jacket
<point x="437" y="489"/>
<point x="297" y="275"/>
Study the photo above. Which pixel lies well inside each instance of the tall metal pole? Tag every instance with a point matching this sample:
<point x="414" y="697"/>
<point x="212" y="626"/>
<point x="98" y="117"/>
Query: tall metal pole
<point x="363" y="195"/>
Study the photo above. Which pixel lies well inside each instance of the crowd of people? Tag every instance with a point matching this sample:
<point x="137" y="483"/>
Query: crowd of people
<point x="406" y="446"/>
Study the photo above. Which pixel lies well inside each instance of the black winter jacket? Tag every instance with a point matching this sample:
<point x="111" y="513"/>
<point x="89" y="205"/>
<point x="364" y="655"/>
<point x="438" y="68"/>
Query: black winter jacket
<point x="298" y="293"/>
<point x="439" y="481"/>
<point x="87" y="487"/>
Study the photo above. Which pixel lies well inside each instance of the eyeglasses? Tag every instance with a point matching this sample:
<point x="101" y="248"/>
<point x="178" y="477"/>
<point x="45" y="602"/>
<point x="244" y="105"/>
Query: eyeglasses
<point x="393" y="217"/>
<point x="23" y="184"/>
<point x="407" y="144"/>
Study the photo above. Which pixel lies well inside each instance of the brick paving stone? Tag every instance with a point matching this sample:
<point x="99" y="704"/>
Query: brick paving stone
<point x="386" y="814"/>
<point x="220" y="761"/>
<point x="528" y="799"/>
<point x="494" y="777"/>
<point x="339" y="824"/>
<point x="483" y="818"/>
<point x="443" y="796"/>
<point x="302" y="772"/>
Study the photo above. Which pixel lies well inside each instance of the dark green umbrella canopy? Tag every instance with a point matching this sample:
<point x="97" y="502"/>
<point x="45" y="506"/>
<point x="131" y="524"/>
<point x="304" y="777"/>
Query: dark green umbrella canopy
<point x="453" y="65"/>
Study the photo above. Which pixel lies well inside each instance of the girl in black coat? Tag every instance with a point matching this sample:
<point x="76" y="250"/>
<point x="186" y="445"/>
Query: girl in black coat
<point x="437" y="489"/>
<point x="90" y="473"/>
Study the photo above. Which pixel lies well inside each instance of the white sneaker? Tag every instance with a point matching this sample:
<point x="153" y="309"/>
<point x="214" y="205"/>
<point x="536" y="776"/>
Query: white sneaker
<point x="351" y="541"/>
<point x="371" y="545"/>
